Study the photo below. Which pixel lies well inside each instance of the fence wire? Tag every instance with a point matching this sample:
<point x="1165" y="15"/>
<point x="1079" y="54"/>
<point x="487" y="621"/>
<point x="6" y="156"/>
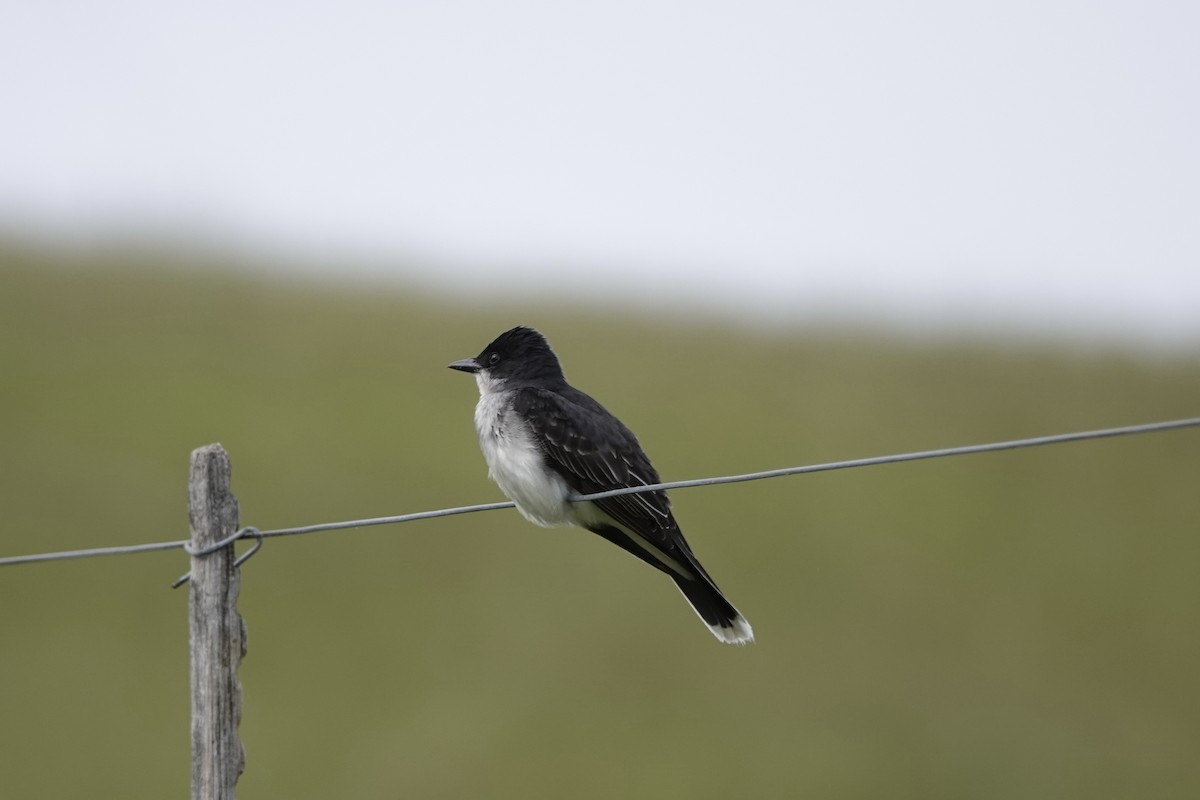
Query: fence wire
<point x="258" y="535"/>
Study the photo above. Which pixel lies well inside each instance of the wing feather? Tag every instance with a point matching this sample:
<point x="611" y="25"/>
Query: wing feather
<point x="595" y="452"/>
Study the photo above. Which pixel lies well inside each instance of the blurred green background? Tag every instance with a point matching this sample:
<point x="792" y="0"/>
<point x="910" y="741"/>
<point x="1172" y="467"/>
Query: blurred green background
<point x="1018" y="624"/>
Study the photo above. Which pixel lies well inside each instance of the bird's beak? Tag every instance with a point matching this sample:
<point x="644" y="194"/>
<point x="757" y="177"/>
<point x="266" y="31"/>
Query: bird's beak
<point x="466" y="365"/>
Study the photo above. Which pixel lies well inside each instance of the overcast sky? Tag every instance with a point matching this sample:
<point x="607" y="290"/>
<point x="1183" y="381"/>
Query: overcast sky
<point x="1031" y="162"/>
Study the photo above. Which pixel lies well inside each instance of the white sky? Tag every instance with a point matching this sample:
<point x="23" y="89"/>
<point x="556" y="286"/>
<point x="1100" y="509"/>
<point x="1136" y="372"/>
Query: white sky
<point x="1031" y="163"/>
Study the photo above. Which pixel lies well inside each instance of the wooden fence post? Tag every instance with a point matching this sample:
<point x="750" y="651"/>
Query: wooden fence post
<point x="217" y="632"/>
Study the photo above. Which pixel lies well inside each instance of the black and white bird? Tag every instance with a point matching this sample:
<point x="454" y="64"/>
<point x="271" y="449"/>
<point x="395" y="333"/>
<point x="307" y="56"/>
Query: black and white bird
<point x="545" y="441"/>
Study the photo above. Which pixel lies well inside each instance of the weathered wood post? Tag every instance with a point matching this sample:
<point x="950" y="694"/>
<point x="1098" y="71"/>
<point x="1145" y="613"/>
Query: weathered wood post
<point x="218" y="634"/>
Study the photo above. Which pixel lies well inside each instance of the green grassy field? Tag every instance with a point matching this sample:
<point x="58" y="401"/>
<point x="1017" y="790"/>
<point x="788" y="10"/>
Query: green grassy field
<point x="1014" y="625"/>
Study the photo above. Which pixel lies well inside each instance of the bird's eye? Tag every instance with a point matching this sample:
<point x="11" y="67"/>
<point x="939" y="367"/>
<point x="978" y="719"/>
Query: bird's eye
<point x="493" y="359"/>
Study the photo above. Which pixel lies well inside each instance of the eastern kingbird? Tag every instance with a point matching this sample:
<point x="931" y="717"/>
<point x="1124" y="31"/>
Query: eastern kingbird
<point x="545" y="440"/>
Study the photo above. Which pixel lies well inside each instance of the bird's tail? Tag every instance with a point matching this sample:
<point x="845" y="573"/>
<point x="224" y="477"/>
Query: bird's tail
<point x="725" y="621"/>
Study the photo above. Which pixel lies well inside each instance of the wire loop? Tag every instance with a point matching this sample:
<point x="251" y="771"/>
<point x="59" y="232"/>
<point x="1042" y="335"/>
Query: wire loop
<point x="228" y="541"/>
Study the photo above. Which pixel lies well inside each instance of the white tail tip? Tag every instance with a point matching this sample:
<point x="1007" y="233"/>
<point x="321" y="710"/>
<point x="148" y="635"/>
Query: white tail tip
<point x="739" y="633"/>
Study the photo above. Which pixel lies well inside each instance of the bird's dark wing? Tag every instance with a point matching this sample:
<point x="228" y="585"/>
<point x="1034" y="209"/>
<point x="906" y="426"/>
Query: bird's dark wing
<point x="595" y="452"/>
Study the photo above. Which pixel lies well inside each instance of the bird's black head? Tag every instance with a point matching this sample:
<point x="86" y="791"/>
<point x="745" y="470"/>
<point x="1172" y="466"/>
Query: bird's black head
<point x="521" y="354"/>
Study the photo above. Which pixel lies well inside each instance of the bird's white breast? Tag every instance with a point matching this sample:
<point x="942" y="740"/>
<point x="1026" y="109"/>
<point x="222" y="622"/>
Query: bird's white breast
<point x="516" y="463"/>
